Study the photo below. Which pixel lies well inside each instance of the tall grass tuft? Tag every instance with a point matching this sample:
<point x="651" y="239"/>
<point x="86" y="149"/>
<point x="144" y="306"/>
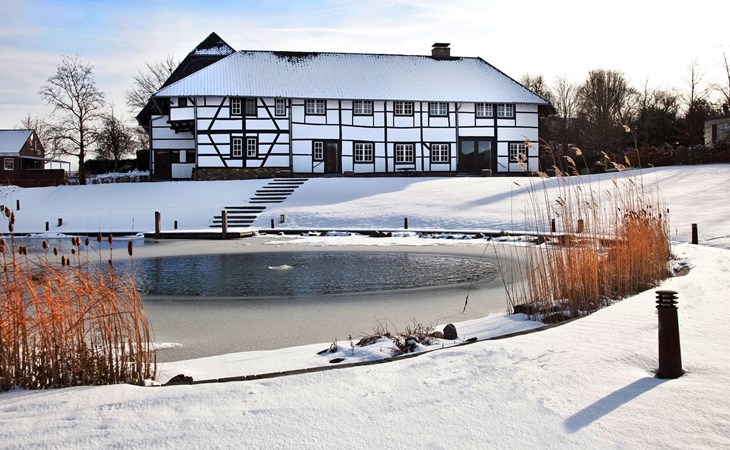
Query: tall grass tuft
<point x="610" y="242"/>
<point x="68" y="322"/>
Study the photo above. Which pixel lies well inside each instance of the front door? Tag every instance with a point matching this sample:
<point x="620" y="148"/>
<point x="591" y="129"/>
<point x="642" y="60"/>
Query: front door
<point x="163" y="166"/>
<point x="475" y="155"/>
<point x="332" y="157"/>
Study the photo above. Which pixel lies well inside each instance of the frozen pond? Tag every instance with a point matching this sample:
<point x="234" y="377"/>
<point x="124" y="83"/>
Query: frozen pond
<point x="225" y="303"/>
<point x="246" y="275"/>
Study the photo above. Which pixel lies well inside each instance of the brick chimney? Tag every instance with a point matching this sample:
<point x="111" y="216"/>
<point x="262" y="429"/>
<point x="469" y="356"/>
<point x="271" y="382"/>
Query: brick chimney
<point x="440" y="50"/>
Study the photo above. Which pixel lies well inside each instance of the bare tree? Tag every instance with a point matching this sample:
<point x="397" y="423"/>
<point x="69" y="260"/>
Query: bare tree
<point x="115" y="139"/>
<point x="148" y="81"/>
<point x="656" y="123"/>
<point x="696" y="106"/>
<point x="536" y="83"/>
<point x="724" y="88"/>
<point x="565" y="94"/>
<point x="74" y="96"/>
<point x="603" y="103"/>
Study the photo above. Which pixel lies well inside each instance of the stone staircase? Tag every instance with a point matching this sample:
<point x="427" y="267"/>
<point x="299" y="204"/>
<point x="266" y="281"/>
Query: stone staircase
<point x="275" y="191"/>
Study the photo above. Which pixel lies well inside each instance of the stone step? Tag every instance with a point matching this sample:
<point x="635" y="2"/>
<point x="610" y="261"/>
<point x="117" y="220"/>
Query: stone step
<point x="235" y="217"/>
<point x="251" y="209"/>
<point x="268" y="200"/>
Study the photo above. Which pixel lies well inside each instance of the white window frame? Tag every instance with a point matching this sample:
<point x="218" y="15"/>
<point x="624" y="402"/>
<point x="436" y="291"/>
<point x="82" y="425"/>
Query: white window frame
<point x="252" y="147"/>
<point x="484" y="110"/>
<point x="440" y="152"/>
<point x="362" y="107"/>
<point x="315" y="107"/>
<point x="237" y="147"/>
<point x="505" y="110"/>
<point x="236" y="106"/>
<point x="9" y="163"/>
<point x="318" y="150"/>
<point x="438" y="109"/>
<point x="403" y="108"/>
<point x="280" y="107"/>
<point x="515" y="150"/>
<point x="404" y="153"/>
<point x="364" y="152"/>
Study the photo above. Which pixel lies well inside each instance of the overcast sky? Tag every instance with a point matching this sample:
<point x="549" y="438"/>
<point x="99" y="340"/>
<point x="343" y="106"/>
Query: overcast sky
<point x="652" y="42"/>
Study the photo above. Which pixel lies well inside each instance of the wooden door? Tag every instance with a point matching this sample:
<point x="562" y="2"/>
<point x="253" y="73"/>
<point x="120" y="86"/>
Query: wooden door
<point x="332" y="157"/>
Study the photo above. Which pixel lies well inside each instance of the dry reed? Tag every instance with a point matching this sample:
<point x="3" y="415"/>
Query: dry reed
<point x="69" y="322"/>
<point x="607" y="244"/>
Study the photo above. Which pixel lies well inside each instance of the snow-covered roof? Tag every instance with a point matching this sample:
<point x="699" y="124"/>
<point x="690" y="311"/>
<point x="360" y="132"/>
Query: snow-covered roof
<point x="353" y="76"/>
<point x="11" y="141"/>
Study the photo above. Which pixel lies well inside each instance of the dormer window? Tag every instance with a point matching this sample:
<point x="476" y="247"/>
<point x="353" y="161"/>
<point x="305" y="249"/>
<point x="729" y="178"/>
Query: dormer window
<point x="280" y="107"/>
<point x="362" y="107"/>
<point x="505" y="110"/>
<point x="438" y="109"/>
<point x="250" y="106"/>
<point x="314" y="107"/>
<point x="236" y="106"/>
<point x="243" y="105"/>
<point x="484" y="110"/>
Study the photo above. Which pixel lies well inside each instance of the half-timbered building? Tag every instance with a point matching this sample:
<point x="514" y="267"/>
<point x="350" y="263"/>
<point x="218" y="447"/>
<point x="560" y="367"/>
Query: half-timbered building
<point x="259" y="113"/>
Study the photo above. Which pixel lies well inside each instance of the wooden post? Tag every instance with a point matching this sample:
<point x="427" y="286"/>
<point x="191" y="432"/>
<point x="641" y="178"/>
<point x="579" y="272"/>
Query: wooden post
<point x="176" y="224"/>
<point x="580" y="225"/>
<point x="158" y="224"/>
<point x="17" y="205"/>
<point x="47" y="226"/>
<point x="552" y="225"/>
<point x="695" y="238"/>
<point x="60" y="222"/>
<point x="405" y="223"/>
<point x="224" y="221"/>
<point x="272" y="224"/>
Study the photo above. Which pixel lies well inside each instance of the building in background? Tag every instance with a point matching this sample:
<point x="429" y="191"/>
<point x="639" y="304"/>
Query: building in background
<point x="24" y="161"/>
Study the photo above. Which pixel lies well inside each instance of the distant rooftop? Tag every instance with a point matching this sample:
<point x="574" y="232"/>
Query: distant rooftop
<point x="11" y="141"/>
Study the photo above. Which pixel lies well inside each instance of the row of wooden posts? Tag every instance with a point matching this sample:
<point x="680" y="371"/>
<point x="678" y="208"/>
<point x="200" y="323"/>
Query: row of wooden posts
<point x="282" y="219"/>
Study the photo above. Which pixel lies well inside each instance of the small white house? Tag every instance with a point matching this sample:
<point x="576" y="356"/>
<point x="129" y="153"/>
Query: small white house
<point x="225" y="114"/>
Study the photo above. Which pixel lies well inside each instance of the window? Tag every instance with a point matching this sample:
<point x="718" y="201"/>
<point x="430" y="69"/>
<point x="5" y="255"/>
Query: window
<point x="9" y="164"/>
<point x="403" y="108"/>
<point x="280" y="107"/>
<point x="182" y="102"/>
<point x="237" y="147"/>
<point x="314" y="107"/>
<point x="440" y="153"/>
<point x="235" y="106"/>
<point x="505" y="110"/>
<point x="318" y="151"/>
<point x="438" y="108"/>
<point x="364" y="152"/>
<point x="485" y="110"/>
<point x="252" y="148"/>
<point x="362" y="108"/>
<point x="515" y="150"/>
<point x="404" y="153"/>
<point x="250" y="106"/>
<point x="190" y="156"/>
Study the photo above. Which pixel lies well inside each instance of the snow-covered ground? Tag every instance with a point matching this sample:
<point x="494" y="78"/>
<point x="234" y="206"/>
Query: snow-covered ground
<point x="586" y="384"/>
<point x="696" y="194"/>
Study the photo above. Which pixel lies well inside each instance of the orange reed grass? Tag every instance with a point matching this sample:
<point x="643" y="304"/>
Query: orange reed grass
<point x="68" y="322"/>
<point x="609" y="243"/>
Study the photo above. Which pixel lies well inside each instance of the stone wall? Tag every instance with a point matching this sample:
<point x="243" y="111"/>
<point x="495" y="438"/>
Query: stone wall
<point x="230" y="173"/>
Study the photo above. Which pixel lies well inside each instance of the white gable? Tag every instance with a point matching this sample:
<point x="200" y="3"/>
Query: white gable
<point x="11" y="141"/>
<point x="352" y="76"/>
